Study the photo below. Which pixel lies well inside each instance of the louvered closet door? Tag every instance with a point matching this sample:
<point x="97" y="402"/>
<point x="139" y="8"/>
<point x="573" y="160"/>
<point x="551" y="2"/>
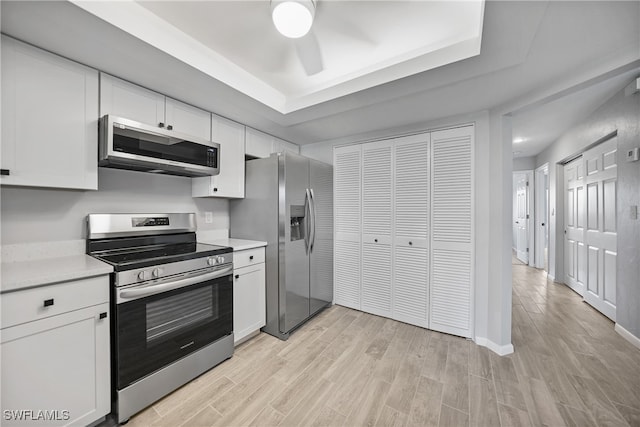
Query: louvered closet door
<point x="347" y="219"/>
<point x="451" y="284"/>
<point x="410" y="244"/>
<point x="377" y="220"/>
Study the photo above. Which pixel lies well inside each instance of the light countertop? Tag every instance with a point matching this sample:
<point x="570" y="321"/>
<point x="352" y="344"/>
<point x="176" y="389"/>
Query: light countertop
<point x="30" y="273"/>
<point x="236" y="244"/>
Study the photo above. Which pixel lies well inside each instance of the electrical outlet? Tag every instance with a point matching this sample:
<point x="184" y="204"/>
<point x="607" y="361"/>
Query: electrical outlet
<point x="633" y="155"/>
<point x="208" y="217"/>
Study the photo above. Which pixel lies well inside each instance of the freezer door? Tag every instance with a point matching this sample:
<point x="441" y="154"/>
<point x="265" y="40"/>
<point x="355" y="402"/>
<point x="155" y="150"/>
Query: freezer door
<point x="321" y="245"/>
<point x="294" y="261"/>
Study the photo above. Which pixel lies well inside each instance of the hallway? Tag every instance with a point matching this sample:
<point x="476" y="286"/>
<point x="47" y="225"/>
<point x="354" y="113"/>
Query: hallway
<point x="567" y="353"/>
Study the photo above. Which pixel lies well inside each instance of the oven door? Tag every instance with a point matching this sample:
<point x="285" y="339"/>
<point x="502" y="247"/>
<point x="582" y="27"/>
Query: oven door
<point x="160" y="322"/>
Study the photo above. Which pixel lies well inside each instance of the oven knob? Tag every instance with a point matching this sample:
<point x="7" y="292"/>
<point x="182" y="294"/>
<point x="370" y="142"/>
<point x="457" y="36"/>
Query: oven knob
<point x="220" y="259"/>
<point x="157" y="272"/>
<point x="212" y="261"/>
<point x="144" y="275"/>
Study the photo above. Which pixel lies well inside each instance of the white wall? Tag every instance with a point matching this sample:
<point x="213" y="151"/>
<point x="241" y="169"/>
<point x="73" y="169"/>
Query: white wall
<point x="620" y="113"/>
<point x="492" y="314"/>
<point x="42" y="215"/>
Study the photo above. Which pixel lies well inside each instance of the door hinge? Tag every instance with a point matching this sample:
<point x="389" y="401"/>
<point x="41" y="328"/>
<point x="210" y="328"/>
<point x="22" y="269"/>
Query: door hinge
<point x="527" y="183"/>
<point x="527" y="216"/>
<point x="527" y="249"/>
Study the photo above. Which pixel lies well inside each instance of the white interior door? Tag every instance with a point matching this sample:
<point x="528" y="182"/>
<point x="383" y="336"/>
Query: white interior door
<point x="601" y="235"/>
<point x="377" y="220"/>
<point x="574" y="225"/>
<point x="347" y="225"/>
<point x="411" y="237"/>
<point x="451" y="283"/>
<point x="521" y="216"/>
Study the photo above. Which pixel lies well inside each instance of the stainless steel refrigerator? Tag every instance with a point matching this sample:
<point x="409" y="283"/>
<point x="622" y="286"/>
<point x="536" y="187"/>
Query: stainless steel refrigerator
<point x="289" y="204"/>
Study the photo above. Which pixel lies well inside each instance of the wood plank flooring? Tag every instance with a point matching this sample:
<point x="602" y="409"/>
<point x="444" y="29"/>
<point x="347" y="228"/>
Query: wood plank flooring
<point x="346" y="368"/>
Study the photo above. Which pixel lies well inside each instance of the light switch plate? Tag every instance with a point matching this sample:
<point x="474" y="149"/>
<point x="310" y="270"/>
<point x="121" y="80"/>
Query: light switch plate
<point x="633" y="154"/>
<point x="633" y="212"/>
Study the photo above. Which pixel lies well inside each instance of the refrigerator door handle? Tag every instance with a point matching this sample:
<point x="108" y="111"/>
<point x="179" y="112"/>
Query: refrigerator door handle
<point x="312" y="239"/>
<point x="307" y="227"/>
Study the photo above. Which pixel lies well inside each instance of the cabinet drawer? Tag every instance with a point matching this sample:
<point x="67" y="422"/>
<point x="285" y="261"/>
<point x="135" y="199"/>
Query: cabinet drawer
<point x="39" y="303"/>
<point x="248" y="257"/>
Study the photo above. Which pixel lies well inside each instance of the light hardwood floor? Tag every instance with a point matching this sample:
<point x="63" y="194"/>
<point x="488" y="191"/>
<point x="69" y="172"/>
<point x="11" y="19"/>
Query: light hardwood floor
<point x="354" y="369"/>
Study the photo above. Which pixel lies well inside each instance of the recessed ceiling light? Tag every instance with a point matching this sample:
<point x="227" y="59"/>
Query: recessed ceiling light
<point x="515" y="153"/>
<point x="518" y="140"/>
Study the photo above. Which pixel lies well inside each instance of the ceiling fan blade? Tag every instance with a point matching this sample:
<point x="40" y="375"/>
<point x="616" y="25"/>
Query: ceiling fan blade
<point x="309" y="53"/>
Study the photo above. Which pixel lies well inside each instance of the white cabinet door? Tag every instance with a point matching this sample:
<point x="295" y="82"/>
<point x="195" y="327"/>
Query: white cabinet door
<point x="49" y="119"/>
<point x="347" y="225"/>
<point x="230" y="181"/>
<point x="58" y="364"/>
<point x="451" y="286"/>
<point x="377" y="223"/>
<point x="411" y="226"/>
<point x="601" y="179"/>
<point x="258" y="144"/>
<point x="124" y="99"/>
<point x="280" y="145"/>
<point x="249" y="305"/>
<point x="187" y="119"/>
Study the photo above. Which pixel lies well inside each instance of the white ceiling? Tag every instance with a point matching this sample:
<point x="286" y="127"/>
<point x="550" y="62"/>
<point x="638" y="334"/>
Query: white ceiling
<point x="531" y="51"/>
<point x="360" y="43"/>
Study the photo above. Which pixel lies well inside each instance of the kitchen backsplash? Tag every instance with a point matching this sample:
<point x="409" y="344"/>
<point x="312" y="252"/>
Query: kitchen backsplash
<point x="32" y="215"/>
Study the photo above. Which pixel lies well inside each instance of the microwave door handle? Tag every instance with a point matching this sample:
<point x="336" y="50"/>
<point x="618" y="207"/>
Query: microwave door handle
<point x="153" y="289"/>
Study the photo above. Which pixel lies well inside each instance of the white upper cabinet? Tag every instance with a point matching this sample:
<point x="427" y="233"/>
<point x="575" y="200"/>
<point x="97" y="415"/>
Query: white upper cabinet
<point x="280" y="145"/>
<point x="124" y="99"/>
<point x="229" y="182"/>
<point x="258" y="144"/>
<point x="261" y="145"/>
<point x="185" y="118"/>
<point x="49" y="120"/>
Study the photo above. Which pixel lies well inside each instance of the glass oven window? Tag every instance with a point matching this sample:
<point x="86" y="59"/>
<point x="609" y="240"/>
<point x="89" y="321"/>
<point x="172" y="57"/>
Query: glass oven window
<point x="180" y="312"/>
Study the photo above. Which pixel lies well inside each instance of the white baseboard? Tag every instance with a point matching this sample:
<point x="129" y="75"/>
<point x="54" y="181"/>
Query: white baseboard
<point x="627" y="335"/>
<point x="500" y="350"/>
<point x="550" y="277"/>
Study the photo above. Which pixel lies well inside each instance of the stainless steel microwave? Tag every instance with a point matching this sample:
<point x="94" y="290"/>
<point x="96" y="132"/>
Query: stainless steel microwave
<point x="127" y="144"/>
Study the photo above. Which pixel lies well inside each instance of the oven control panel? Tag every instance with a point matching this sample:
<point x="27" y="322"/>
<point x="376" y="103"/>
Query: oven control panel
<point x="161" y="271"/>
<point x="149" y="221"/>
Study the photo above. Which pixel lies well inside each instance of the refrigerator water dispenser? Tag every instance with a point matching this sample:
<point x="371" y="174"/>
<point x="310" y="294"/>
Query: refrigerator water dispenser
<point x="296" y="212"/>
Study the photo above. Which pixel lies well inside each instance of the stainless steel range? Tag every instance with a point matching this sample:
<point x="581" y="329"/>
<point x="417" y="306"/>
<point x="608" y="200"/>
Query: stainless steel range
<point x="172" y="303"/>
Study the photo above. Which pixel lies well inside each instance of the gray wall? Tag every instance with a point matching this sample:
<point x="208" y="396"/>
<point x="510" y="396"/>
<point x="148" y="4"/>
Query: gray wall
<point x="524" y="163"/>
<point x="621" y="113"/>
<point x="41" y="215"/>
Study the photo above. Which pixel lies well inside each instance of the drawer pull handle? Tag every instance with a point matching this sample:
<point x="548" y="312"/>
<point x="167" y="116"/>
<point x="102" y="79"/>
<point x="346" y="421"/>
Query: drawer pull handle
<point x="5" y="172"/>
<point x="410" y="243"/>
<point x="375" y="240"/>
<point x="161" y="124"/>
<point x="237" y="276"/>
<point x="48" y="302"/>
<point x="103" y="315"/>
<point x="215" y="189"/>
<point x="170" y="127"/>
<point x="251" y="258"/>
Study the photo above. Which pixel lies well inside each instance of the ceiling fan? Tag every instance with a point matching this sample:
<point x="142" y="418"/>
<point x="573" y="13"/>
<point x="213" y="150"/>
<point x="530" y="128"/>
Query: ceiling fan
<point x="293" y="19"/>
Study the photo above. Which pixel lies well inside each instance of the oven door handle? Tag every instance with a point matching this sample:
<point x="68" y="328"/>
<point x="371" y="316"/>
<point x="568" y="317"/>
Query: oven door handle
<point x="153" y="289"/>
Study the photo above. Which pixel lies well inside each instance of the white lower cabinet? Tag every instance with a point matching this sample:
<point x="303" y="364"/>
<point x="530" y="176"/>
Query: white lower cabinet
<point x="56" y="368"/>
<point x="249" y="293"/>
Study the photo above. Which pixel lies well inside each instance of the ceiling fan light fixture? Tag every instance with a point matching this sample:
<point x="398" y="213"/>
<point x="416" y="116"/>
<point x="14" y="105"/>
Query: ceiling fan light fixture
<point x="293" y="18"/>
